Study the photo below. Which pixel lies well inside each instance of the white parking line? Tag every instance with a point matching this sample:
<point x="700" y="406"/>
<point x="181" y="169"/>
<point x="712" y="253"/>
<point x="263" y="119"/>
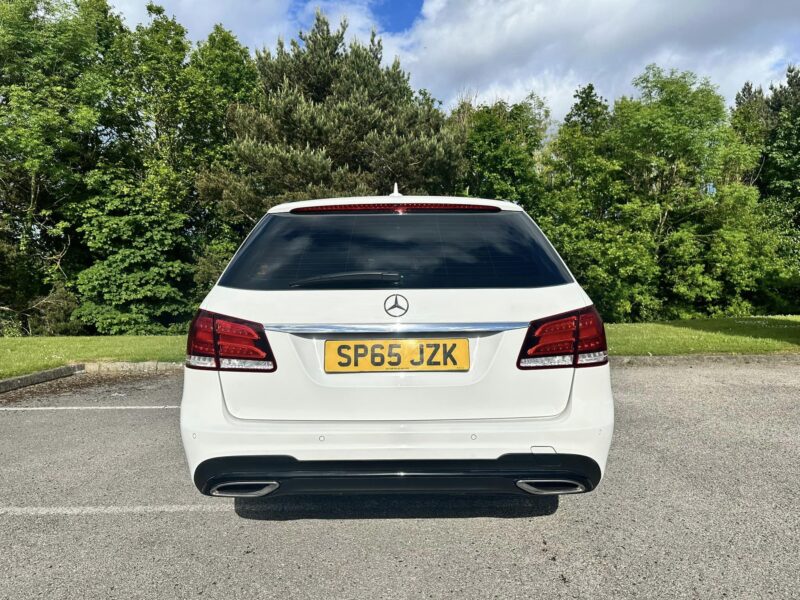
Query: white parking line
<point x="27" y="408"/>
<point x="78" y="511"/>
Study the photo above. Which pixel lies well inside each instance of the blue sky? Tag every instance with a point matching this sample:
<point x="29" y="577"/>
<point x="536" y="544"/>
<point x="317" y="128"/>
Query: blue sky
<point x="490" y="49"/>
<point x="396" y="16"/>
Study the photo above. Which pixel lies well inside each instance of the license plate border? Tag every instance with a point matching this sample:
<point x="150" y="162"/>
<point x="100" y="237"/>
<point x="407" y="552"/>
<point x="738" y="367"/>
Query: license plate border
<point x="465" y="340"/>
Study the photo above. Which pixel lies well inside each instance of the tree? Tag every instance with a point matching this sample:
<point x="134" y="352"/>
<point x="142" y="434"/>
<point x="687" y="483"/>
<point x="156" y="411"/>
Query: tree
<point x="221" y="74"/>
<point x="132" y="163"/>
<point x="653" y="207"/>
<point x="589" y="112"/>
<point x="501" y="147"/>
<point x="51" y="103"/>
<point x="752" y="117"/>
<point x="590" y="216"/>
<point x="329" y="120"/>
<point x="781" y="178"/>
<point x="142" y="217"/>
<point x="780" y="184"/>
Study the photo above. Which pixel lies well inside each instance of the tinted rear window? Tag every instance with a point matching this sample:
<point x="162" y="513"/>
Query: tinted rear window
<point x="414" y="250"/>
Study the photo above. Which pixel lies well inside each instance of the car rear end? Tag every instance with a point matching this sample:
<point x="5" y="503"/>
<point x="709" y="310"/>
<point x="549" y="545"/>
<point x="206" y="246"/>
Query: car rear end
<point x="396" y="344"/>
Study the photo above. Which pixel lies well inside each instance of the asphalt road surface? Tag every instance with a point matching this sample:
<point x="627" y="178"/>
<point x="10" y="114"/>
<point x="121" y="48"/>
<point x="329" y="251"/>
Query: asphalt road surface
<point x="700" y="501"/>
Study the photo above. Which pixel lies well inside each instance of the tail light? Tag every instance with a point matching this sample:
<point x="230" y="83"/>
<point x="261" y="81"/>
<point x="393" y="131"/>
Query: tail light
<point x="573" y="339"/>
<point x="223" y="343"/>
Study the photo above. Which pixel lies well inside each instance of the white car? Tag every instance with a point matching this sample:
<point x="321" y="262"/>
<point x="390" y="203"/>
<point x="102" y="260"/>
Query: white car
<point x="383" y="344"/>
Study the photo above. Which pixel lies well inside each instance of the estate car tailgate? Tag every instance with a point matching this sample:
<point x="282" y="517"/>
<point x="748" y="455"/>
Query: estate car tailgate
<point x="490" y="324"/>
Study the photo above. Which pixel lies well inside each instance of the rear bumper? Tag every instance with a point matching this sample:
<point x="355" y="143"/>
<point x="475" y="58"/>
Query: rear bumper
<point x="283" y="475"/>
<point x="219" y="445"/>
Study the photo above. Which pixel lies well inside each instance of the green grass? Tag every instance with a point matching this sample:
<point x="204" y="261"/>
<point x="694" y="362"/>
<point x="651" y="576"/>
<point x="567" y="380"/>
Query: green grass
<point x="750" y="335"/>
<point x="27" y="355"/>
<point x="744" y="335"/>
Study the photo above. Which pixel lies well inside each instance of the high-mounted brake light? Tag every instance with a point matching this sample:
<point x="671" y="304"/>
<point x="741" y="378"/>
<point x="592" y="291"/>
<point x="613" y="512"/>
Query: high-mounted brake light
<point x="395" y="207"/>
<point x="573" y="339"/>
<point x="223" y="343"/>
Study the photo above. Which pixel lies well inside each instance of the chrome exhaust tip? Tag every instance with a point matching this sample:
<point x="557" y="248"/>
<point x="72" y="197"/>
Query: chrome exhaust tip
<point x="244" y="489"/>
<point x="550" y="487"/>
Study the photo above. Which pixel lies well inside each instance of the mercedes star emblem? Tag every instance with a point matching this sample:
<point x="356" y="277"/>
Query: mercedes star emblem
<point x="395" y="305"/>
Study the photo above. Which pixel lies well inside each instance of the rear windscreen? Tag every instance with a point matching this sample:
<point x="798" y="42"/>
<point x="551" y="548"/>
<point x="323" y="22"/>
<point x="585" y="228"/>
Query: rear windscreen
<point x="378" y="250"/>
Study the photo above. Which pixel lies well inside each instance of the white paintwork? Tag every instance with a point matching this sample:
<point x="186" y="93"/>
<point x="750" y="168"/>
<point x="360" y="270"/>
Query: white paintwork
<point x="300" y="389"/>
<point x="490" y="410"/>
<point x="584" y="427"/>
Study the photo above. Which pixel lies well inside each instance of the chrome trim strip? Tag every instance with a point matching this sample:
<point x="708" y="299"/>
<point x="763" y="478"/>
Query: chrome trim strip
<point x="487" y="327"/>
<point x="268" y="488"/>
<point x="567" y="486"/>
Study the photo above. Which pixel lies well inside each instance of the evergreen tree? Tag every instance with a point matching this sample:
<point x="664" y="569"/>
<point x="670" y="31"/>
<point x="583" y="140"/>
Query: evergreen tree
<point x="780" y="184"/>
<point x="329" y="120"/>
<point x="752" y="117"/>
<point x="782" y="165"/>
<point x="589" y="112"/>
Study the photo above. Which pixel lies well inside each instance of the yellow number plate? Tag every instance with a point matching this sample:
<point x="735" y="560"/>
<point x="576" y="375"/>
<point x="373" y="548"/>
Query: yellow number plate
<point x="364" y="356"/>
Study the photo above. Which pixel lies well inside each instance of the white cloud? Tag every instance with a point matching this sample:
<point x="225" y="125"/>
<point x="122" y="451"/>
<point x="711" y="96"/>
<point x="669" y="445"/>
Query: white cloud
<point x="508" y="48"/>
<point x="257" y="23"/>
<point x="513" y="47"/>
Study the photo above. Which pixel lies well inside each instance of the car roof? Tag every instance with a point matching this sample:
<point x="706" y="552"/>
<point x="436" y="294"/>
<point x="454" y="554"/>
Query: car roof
<point x="501" y="204"/>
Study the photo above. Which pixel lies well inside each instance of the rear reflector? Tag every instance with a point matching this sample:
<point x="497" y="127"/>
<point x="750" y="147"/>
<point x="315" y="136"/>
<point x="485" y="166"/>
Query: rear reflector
<point x="395" y="207"/>
<point x="573" y="339"/>
<point x="223" y="343"/>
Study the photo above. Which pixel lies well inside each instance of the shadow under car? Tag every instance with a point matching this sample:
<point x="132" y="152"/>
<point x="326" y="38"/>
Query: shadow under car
<point x="395" y="506"/>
